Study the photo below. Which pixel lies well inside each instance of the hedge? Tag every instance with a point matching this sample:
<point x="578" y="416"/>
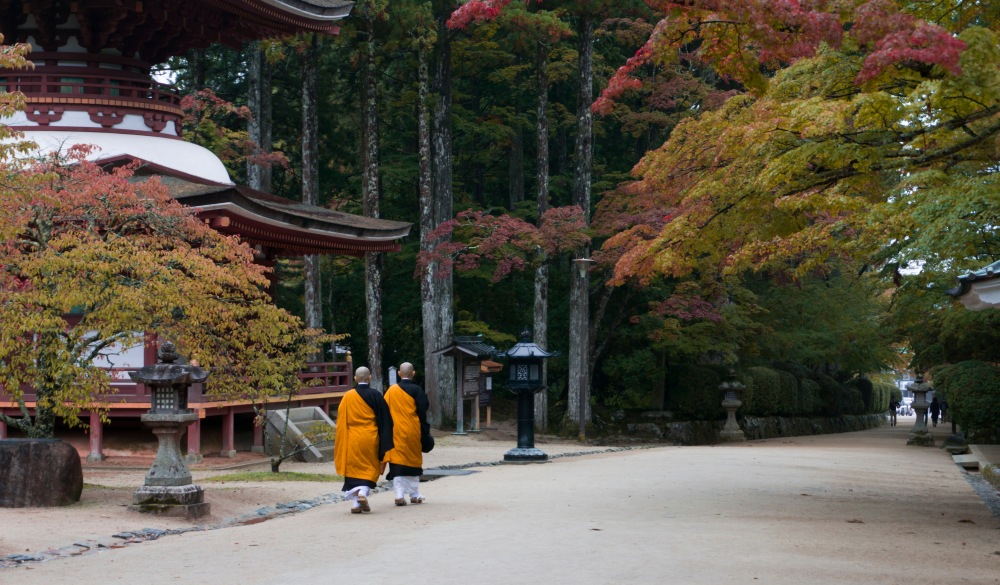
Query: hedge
<point x="786" y="390"/>
<point x="972" y="389"/>
<point x="693" y="392"/>
<point x="765" y="384"/>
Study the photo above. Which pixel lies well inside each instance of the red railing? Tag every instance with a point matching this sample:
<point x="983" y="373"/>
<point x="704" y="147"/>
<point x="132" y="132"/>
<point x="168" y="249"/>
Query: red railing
<point x="64" y="83"/>
<point x="318" y="378"/>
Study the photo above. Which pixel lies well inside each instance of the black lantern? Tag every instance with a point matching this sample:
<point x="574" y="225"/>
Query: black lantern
<point x="525" y="364"/>
<point x="525" y="379"/>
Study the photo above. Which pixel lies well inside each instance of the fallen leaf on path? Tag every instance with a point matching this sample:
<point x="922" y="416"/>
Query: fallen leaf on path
<point x="855" y="521"/>
<point x="965" y="521"/>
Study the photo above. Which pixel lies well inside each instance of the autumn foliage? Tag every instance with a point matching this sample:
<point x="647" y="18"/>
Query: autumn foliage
<point x="506" y="244"/>
<point x="94" y="260"/>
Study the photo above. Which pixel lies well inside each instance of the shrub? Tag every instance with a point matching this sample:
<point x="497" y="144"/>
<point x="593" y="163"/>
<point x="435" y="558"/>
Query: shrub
<point x="831" y="394"/>
<point x="973" y="391"/>
<point x="766" y="389"/>
<point x="694" y="392"/>
<point x="885" y="391"/>
<point x="809" y="397"/>
<point x="866" y="389"/>
<point x="788" y="395"/>
<point x="631" y="380"/>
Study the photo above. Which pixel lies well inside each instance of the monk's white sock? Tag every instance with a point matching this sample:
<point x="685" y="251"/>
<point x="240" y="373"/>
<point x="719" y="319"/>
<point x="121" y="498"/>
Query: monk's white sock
<point x="353" y="494"/>
<point x="411" y="486"/>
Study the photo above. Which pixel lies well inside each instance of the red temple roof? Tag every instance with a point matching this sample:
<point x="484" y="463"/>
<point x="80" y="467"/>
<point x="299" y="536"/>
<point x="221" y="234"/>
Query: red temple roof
<point x="153" y="30"/>
<point x="283" y="226"/>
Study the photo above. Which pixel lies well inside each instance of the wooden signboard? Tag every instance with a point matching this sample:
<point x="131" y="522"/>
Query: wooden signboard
<point x="470" y="380"/>
<point x="485" y="388"/>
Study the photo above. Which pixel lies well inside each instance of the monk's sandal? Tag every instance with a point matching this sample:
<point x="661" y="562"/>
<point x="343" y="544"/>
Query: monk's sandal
<point x="400" y="502"/>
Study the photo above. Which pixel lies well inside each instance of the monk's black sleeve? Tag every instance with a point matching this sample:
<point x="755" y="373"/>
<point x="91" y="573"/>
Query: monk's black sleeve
<point x="420" y="399"/>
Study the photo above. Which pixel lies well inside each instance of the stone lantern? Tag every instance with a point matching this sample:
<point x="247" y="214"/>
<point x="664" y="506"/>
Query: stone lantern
<point x="919" y="435"/>
<point x="168" y="488"/>
<point x="525" y="361"/>
<point x="731" y="390"/>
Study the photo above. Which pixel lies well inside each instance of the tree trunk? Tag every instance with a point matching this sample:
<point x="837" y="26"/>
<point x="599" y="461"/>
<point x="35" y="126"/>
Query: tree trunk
<point x="440" y="299"/>
<point x="541" y="313"/>
<point x="515" y="169"/>
<point x="196" y="59"/>
<point x="374" y="262"/>
<point x="310" y="178"/>
<point x="583" y="161"/>
<point x="427" y="278"/>
<point x="259" y="102"/>
<point x="579" y="341"/>
<point x="541" y="336"/>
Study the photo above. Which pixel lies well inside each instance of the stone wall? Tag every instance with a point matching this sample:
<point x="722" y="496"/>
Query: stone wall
<point x="754" y="427"/>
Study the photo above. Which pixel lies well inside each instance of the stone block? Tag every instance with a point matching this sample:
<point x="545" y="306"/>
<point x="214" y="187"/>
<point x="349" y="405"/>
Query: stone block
<point x="39" y="473"/>
<point x="186" y="501"/>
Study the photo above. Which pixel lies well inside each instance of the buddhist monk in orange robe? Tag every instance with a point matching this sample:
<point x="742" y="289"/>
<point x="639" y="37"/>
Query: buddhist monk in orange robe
<point x="364" y="435"/>
<point x="408" y="404"/>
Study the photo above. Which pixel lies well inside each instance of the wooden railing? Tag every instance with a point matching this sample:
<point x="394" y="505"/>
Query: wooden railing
<point x="317" y="377"/>
<point x="64" y="83"/>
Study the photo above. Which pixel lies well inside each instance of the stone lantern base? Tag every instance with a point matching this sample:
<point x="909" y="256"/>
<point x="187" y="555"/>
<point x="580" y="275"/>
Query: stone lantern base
<point x="731" y="431"/>
<point x="921" y="439"/>
<point x="525" y="455"/>
<point x="732" y="436"/>
<point x="177" y="501"/>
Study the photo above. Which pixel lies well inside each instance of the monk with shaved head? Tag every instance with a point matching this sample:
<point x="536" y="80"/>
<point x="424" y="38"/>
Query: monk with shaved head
<point x="410" y="435"/>
<point x="364" y="436"/>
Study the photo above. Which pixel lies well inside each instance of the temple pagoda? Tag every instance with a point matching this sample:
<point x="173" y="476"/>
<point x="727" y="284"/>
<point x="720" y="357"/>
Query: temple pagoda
<point x="92" y="84"/>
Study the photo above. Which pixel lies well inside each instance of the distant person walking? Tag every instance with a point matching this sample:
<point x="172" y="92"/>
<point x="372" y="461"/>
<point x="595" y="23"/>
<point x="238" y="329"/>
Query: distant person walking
<point x="408" y="404"/>
<point x="893" y="407"/>
<point x="935" y="410"/>
<point x="944" y="410"/>
<point x="364" y="436"/>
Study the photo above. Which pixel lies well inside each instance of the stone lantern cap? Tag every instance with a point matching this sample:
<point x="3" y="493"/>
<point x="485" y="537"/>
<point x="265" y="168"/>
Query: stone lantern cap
<point x="918" y="385"/>
<point x="731" y="384"/>
<point x="167" y="373"/>
<point x="526" y="348"/>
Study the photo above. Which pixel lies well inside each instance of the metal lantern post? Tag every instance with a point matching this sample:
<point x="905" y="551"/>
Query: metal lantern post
<point x="168" y="489"/>
<point x="919" y="435"/>
<point x="525" y="361"/>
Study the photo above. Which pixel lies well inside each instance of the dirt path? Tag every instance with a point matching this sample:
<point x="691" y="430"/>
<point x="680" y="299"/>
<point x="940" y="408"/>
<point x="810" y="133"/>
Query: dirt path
<point x="850" y="508"/>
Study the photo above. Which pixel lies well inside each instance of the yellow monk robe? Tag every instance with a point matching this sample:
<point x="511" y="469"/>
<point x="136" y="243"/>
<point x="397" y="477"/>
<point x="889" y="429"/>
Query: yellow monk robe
<point x="364" y="435"/>
<point x="405" y="428"/>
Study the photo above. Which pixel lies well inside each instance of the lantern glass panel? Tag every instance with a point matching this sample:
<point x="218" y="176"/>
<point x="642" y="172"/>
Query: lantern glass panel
<point x="164" y="400"/>
<point x="534" y="373"/>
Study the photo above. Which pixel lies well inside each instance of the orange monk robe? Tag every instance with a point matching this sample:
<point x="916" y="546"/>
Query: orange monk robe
<point x="406" y="428"/>
<point x="364" y="435"/>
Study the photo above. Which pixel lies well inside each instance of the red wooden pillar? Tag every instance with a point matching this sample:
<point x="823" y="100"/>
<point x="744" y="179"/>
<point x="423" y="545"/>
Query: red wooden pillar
<point x="96" y="432"/>
<point x="194" y="440"/>
<point x="258" y="438"/>
<point x="3" y="430"/>
<point x="228" y="430"/>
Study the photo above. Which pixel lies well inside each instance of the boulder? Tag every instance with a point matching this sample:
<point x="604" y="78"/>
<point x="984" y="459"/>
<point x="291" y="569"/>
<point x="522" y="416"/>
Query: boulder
<point x="39" y="473"/>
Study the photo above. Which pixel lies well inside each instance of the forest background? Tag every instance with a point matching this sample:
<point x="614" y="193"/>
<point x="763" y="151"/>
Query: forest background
<point x="761" y="183"/>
